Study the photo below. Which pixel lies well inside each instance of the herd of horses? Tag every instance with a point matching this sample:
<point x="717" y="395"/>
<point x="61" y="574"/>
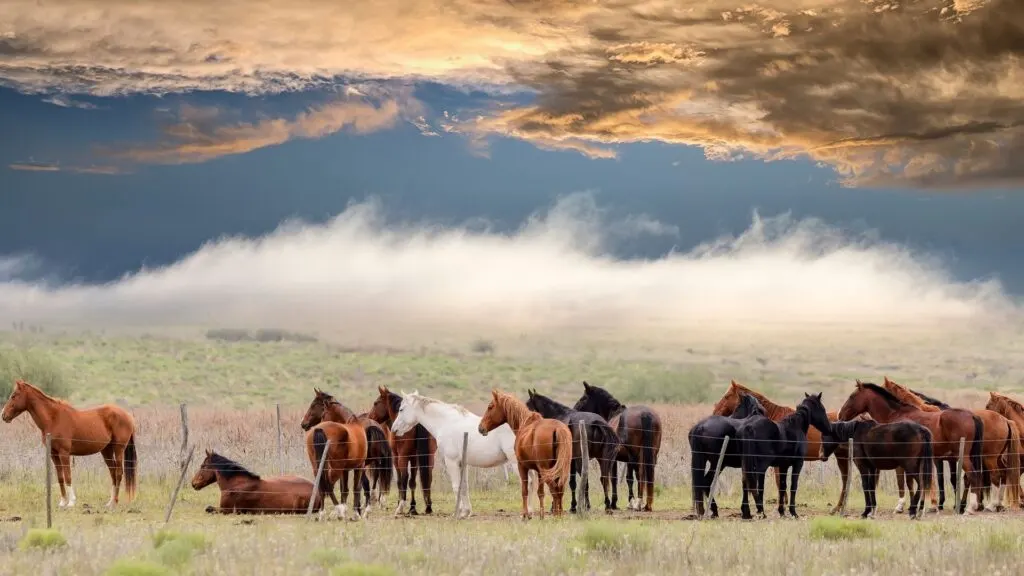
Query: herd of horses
<point x="401" y="435"/>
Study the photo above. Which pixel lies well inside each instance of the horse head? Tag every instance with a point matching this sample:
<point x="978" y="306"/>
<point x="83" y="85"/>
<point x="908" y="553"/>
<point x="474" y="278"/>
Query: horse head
<point x="408" y="413"/>
<point x="494" y="416"/>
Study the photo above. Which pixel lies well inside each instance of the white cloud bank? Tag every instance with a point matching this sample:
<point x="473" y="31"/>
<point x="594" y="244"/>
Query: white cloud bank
<point x="359" y="271"/>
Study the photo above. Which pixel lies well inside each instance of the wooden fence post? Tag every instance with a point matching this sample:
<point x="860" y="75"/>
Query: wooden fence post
<point x="49" y="481"/>
<point x="583" y="487"/>
<point x="462" y="477"/>
<point x="181" y="480"/>
<point x="714" y="479"/>
<point x="959" y="476"/>
<point x="184" y="435"/>
<point x="280" y="454"/>
<point x="849" y="477"/>
<point x="316" y="482"/>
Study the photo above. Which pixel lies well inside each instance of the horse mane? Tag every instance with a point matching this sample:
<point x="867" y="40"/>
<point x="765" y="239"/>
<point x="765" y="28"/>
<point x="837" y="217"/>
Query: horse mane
<point x="425" y="401"/>
<point x="551" y="402"/>
<point x="604" y="396"/>
<point x="44" y="394"/>
<point x="891" y="399"/>
<point x="772" y="410"/>
<point x="929" y="400"/>
<point x="754" y="407"/>
<point x="1009" y="402"/>
<point x="907" y="397"/>
<point x="515" y="409"/>
<point x="229" y="468"/>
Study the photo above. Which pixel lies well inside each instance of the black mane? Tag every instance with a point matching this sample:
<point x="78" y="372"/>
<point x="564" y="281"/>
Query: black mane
<point x="395" y="400"/>
<point x="229" y="468"/>
<point x="843" y="430"/>
<point x="749" y="405"/>
<point x="929" y="400"/>
<point x="555" y="407"/>
<point x="892" y="400"/>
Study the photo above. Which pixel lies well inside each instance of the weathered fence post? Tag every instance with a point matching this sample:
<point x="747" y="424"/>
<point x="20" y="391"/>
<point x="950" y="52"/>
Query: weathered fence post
<point x="184" y="435"/>
<point x="459" y="497"/>
<point x="280" y="453"/>
<point x="181" y="480"/>
<point x="959" y="476"/>
<point x="849" y="478"/>
<point x="316" y="482"/>
<point x="714" y="479"/>
<point x="583" y="488"/>
<point x="49" y="481"/>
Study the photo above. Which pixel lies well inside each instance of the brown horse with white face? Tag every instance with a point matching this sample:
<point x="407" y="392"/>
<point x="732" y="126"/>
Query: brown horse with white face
<point x="414" y="451"/>
<point x="107" y="429"/>
<point x="542" y="444"/>
<point x="245" y="492"/>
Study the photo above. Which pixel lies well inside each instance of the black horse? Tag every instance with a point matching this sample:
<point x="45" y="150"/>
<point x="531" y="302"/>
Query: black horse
<point x="706" y="438"/>
<point x="782" y="444"/>
<point x="902" y="444"/>
<point x="602" y="442"/>
<point x="639" y="430"/>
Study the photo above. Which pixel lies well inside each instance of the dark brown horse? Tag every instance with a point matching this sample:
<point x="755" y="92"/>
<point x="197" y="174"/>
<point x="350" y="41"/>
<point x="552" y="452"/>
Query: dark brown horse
<point x="107" y="429"/>
<point x="244" y="492"/>
<point x="379" y="456"/>
<point x="639" y="430"/>
<point x="1000" y="457"/>
<point x="346" y="453"/>
<point x="414" y="451"/>
<point x="727" y="404"/>
<point x="947" y="428"/>
<point x="542" y="444"/>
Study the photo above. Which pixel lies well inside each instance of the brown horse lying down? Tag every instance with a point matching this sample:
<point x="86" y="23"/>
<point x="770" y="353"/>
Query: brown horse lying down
<point x="542" y="444"/>
<point x="244" y="492"/>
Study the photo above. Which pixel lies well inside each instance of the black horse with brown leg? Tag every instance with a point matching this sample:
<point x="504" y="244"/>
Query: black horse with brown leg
<point x="639" y="431"/>
<point x="602" y="442"/>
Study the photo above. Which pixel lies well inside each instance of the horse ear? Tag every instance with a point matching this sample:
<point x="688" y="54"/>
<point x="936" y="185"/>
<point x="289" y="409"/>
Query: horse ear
<point x="859" y="383"/>
<point x="733" y="384"/>
<point x="382" y="390"/>
<point x="887" y="381"/>
<point x="586" y="386"/>
<point x="806" y="395"/>
<point x="209" y="452"/>
<point x="819" y="395"/>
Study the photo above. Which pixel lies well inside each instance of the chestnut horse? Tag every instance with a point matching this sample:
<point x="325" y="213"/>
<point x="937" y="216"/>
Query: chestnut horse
<point x="1000" y="446"/>
<point x="346" y="453"/>
<point x="379" y="456"/>
<point x="244" y="492"/>
<point x="107" y="429"/>
<point x="542" y="444"/>
<point x="639" y="430"/>
<point x="947" y="428"/>
<point x="1013" y="411"/>
<point x="414" y="451"/>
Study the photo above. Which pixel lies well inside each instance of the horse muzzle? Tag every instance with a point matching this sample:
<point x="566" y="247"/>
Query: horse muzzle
<point x="481" y="430"/>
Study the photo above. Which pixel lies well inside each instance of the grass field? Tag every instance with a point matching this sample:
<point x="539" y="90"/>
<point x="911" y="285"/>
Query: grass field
<point x="231" y="389"/>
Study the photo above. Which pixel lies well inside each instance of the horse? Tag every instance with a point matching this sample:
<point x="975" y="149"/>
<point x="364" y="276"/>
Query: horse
<point x="552" y="459"/>
<point x="346" y="453"/>
<point x="414" y="451"/>
<point x="776" y="412"/>
<point x="783" y="444"/>
<point x="899" y="445"/>
<point x="602" y="442"/>
<point x="946" y="426"/>
<point x="1013" y="411"/>
<point x="379" y="456"/>
<point x="639" y="430"/>
<point x="107" y="429"/>
<point x="244" y="492"/>
<point x="706" y="438"/>
<point x="1000" y="446"/>
<point x="447" y="423"/>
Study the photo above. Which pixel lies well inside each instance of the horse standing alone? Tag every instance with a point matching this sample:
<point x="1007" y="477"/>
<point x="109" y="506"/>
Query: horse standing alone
<point x="245" y="492"/>
<point x="107" y="429"/>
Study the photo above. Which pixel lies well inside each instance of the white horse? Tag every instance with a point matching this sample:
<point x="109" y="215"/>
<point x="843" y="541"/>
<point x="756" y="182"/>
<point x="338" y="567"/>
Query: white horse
<point x="446" y="423"/>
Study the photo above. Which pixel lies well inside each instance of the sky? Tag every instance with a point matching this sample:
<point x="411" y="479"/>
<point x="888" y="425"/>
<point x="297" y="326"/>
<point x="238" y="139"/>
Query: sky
<point x="527" y="162"/>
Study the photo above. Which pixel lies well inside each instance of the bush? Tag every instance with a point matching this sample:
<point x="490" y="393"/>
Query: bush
<point x="262" y="335"/>
<point x="327" y="557"/>
<point x="175" y="553"/>
<point x="615" y="538"/>
<point x="481" y="346"/>
<point x="830" y="528"/>
<point x="193" y="540"/>
<point x="228" y="334"/>
<point x="36" y="368"/>
<point x="359" y="569"/>
<point x="42" y="538"/>
<point x="128" y="567"/>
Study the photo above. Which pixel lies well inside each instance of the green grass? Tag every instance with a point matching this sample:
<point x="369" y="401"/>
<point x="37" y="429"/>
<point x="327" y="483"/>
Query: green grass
<point x="841" y="529"/>
<point x="130" y="567"/>
<point x="612" y="538"/>
<point x="42" y="538"/>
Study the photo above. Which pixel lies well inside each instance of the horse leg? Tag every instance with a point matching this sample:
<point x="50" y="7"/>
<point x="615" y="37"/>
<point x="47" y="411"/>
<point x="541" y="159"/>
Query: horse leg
<point x="631" y="474"/>
<point x="114" y="460"/>
<point x="426" y="480"/>
<point x="615" y="485"/>
<point x="798" y="466"/>
<point x="410" y="477"/>
<point x="540" y="496"/>
<point x="901" y="485"/>
<point x="605" y="474"/>
<point x="574" y="470"/>
<point x="524" y="485"/>
<point x="403" y="484"/>
<point x="867" y="482"/>
<point x="360" y="512"/>
<point x="452" y="467"/>
<point x="759" y="493"/>
<point x="844" y="470"/>
<point x="55" y="457"/>
<point x="748" y="486"/>
<point x="65" y="470"/>
<point x="780" y="481"/>
<point x="942" y="482"/>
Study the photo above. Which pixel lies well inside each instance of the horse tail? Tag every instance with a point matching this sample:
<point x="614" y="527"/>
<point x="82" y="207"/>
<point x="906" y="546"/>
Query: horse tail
<point x="620" y="430"/>
<point x="319" y="445"/>
<point x="927" y="464"/>
<point x="976" y="449"/>
<point x="383" y="458"/>
<point x="131" y="464"/>
<point x="1013" y="462"/>
<point x="558" y="475"/>
<point x="609" y="439"/>
<point x="646" y="467"/>
<point x="422" y="458"/>
<point x="698" y="465"/>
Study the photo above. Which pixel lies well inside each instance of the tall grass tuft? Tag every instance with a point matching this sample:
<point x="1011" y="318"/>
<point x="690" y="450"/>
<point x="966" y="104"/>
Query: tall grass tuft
<point x="36" y="368"/>
<point x="615" y="538"/>
<point x="42" y="538"/>
<point x="828" y="528"/>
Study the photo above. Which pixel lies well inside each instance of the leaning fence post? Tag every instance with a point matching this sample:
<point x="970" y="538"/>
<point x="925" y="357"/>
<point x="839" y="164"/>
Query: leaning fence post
<point x="181" y="480"/>
<point x="959" y="475"/>
<point x="49" y="480"/>
<point x="583" y="487"/>
<point x="462" y="477"/>
<point x="849" y="477"/>
<point x="714" y="479"/>
<point x="316" y="481"/>
<point x="280" y="454"/>
<point x="184" y="435"/>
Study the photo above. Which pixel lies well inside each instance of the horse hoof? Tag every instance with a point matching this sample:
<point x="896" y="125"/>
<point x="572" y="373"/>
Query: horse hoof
<point x="429" y="510"/>
<point x="210" y="509"/>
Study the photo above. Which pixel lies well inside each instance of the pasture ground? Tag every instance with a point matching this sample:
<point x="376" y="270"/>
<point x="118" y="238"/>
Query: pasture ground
<point x="231" y="389"/>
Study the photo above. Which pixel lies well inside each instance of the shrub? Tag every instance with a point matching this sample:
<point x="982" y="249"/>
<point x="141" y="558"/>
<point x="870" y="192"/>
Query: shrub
<point x="481" y="346"/>
<point x="175" y="553"/>
<point x="43" y="538"/>
<point x="828" y="528"/>
<point x="128" y="567"/>
<point x="228" y="334"/>
<point x="327" y="557"/>
<point x="360" y="569"/>
<point x="193" y="540"/>
<point x="34" y="367"/>
<point x="615" y="538"/>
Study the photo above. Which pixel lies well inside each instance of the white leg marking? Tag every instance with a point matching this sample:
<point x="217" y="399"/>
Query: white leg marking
<point x="900" y="504"/>
<point x="71" y="496"/>
<point x="110" y="503"/>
